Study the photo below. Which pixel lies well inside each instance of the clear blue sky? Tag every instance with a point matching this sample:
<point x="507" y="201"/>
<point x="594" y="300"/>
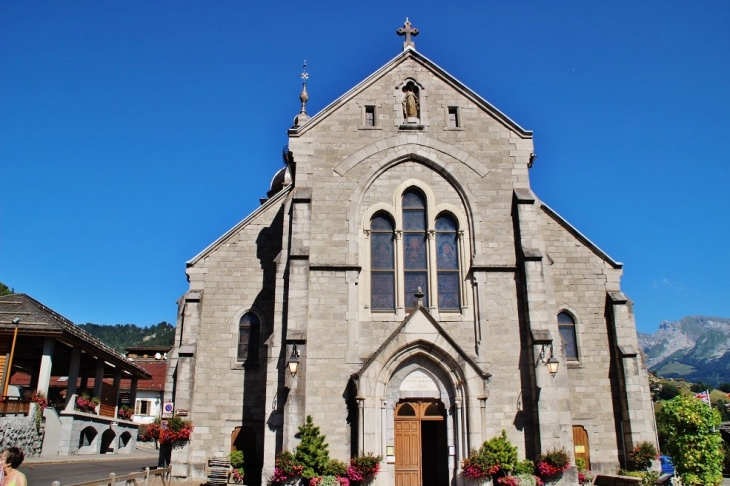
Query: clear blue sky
<point x="135" y="133"/>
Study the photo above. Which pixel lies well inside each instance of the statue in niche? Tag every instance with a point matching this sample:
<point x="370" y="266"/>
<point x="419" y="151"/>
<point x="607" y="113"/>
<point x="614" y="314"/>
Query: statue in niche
<point x="410" y="102"/>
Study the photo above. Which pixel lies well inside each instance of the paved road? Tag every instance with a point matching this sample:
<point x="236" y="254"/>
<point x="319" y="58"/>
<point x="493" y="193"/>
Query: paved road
<point x="79" y="472"/>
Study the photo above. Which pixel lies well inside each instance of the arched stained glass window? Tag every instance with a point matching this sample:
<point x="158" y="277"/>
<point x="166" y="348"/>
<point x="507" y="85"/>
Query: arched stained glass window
<point x="447" y="262"/>
<point x="248" y="337"/>
<point x="566" y="326"/>
<point x="382" y="257"/>
<point x="414" y="248"/>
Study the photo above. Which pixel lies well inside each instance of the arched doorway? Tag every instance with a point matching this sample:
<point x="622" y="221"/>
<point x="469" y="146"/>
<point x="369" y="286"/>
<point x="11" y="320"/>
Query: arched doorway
<point x="421" y="451"/>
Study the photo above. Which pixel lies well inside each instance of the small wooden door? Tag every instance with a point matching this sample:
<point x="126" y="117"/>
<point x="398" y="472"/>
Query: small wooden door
<point x="409" y="418"/>
<point x="580" y="442"/>
<point x="408" y="453"/>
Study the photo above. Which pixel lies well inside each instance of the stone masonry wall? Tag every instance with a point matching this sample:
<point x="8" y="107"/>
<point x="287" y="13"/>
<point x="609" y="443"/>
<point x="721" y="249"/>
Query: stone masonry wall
<point x="21" y="432"/>
<point x="579" y="278"/>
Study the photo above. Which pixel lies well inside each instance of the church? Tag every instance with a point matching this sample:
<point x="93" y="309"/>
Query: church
<point x="403" y="285"/>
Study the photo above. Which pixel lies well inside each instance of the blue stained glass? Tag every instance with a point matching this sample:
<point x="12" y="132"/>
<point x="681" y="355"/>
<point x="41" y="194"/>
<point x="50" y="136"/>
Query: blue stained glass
<point x="414" y="220"/>
<point x="381" y="223"/>
<point x="414" y="251"/>
<point x="448" y="290"/>
<point x="447" y="256"/>
<point x="383" y="291"/>
<point x="413" y="280"/>
<point x="413" y="200"/>
<point x="446" y="223"/>
<point x="381" y="247"/>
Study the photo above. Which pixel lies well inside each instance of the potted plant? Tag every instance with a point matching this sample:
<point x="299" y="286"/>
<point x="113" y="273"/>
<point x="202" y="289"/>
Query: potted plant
<point x="286" y="469"/>
<point x="553" y="463"/>
<point x="174" y="430"/>
<point x="125" y="412"/>
<point x="364" y="468"/>
<point x="86" y="404"/>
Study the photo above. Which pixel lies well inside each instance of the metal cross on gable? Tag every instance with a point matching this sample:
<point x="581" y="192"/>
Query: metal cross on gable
<point x="407" y="31"/>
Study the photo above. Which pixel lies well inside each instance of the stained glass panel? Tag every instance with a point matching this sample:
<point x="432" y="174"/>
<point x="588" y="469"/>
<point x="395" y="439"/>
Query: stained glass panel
<point x="381" y="223"/>
<point x="448" y="290"/>
<point x="413" y="200"/>
<point x="445" y="223"/>
<point x="381" y="246"/>
<point x="414" y="220"/>
<point x="447" y="251"/>
<point x="383" y="291"/>
<point x="413" y="280"/>
<point x="414" y="251"/>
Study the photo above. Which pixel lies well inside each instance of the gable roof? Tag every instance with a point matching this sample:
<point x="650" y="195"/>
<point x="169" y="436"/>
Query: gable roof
<point x="39" y="321"/>
<point x="407" y="54"/>
<point x="420" y="310"/>
<point x="242" y="224"/>
<point x="580" y="236"/>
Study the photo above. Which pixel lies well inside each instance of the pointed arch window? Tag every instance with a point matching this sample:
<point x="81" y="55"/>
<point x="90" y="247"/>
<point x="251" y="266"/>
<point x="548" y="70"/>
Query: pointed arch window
<point x="566" y="326"/>
<point x="382" y="257"/>
<point x="447" y="263"/>
<point x="248" y="337"/>
<point x="415" y="256"/>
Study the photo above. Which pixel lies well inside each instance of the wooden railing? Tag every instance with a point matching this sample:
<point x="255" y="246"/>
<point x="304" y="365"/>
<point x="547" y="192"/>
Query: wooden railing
<point x="14" y="406"/>
<point x="148" y="477"/>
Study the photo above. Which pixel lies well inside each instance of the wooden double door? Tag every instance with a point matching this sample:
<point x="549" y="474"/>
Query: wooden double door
<point x="421" y="450"/>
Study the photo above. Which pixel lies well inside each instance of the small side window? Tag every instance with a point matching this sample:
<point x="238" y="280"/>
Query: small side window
<point x="369" y="116"/>
<point x="248" y="337"/>
<point x="566" y="326"/>
<point x="453" y="117"/>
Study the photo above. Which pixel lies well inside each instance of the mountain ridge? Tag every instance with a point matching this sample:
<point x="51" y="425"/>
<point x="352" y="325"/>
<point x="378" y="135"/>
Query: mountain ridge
<point x="696" y="348"/>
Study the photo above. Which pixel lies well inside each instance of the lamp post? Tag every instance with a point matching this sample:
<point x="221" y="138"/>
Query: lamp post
<point x="16" y="323"/>
<point x="294" y="361"/>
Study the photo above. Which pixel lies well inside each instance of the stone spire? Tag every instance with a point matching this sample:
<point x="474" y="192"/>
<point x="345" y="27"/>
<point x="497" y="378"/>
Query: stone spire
<point x="303" y="97"/>
<point x="409" y="32"/>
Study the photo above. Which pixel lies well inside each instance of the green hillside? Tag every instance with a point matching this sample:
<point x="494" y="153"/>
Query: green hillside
<point x="122" y="336"/>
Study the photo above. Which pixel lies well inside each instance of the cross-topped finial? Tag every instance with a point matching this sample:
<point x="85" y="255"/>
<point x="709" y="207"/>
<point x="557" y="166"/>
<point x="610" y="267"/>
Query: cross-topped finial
<point x="303" y="97"/>
<point x="407" y="31"/>
<point x="305" y="74"/>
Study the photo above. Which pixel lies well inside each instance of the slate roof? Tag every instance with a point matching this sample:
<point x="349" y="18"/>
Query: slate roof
<point x="38" y="321"/>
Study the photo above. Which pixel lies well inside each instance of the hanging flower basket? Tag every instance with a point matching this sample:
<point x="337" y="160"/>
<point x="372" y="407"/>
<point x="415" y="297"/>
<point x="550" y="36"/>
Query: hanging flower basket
<point x="176" y="430"/>
<point x="86" y="404"/>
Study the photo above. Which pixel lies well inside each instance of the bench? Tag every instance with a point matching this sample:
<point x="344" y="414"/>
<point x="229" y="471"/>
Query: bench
<point x="609" y="480"/>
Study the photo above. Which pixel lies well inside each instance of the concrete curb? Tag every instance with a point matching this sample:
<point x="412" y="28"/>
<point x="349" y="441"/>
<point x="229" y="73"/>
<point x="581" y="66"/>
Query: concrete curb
<point x="137" y="454"/>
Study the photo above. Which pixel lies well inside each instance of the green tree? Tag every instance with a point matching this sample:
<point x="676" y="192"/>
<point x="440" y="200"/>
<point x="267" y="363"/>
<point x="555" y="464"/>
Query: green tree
<point x="312" y="452"/>
<point x="668" y="391"/>
<point x="693" y="439"/>
<point x="700" y="386"/>
<point x="725" y="387"/>
<point x="4" y="290"/>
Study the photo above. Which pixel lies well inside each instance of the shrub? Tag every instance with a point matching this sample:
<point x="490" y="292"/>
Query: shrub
<point x="525" y="467"/>
<point x="500" y="452"/>
<point x="642" y="455"/>
<point x="335" y="468"/>
<point x="312" y="452"/>
<point x="236" y="458"/>
<point x="691" y="432"/>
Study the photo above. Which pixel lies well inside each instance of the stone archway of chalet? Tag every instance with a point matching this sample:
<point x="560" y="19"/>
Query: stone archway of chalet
<point x="419" y="344"/>
<point x="401" y="148"/>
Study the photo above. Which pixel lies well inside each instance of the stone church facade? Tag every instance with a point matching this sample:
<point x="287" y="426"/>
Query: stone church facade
<point x="402" y="261"/>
